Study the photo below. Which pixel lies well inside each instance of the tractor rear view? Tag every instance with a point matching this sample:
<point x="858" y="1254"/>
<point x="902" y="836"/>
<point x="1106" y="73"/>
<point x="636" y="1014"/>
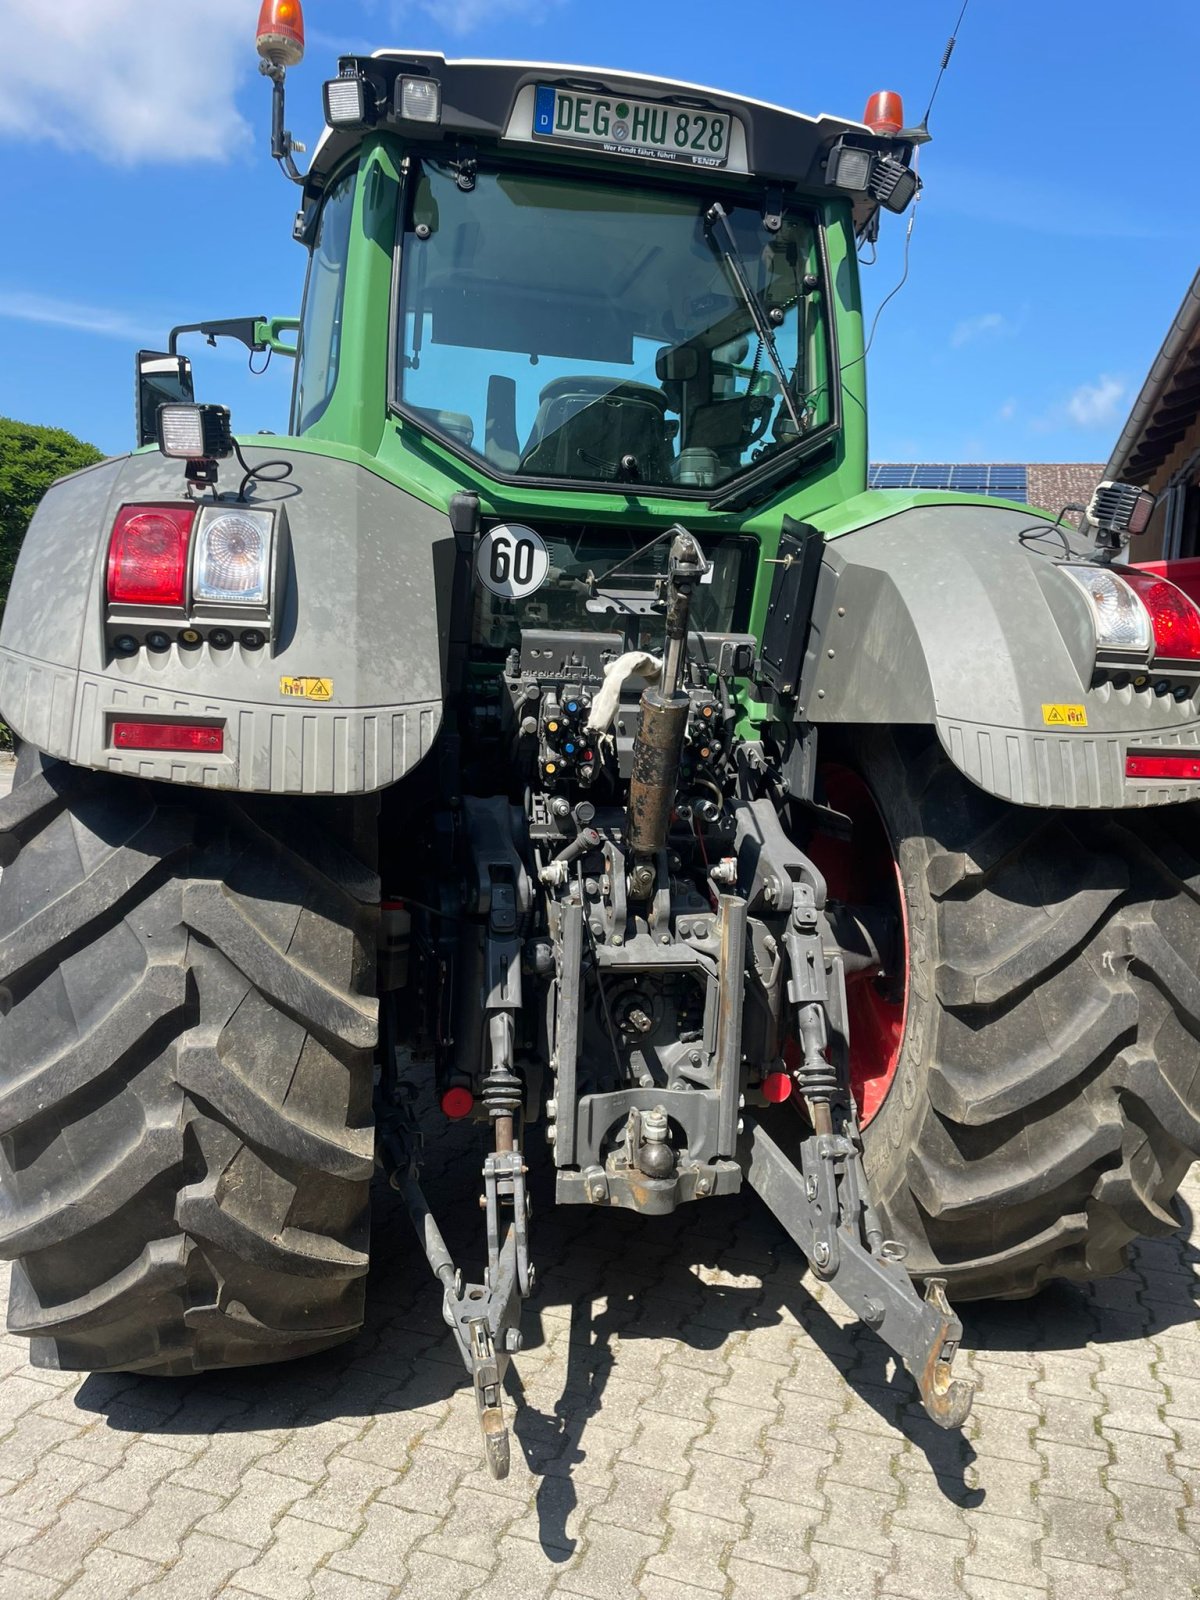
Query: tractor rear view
<point x="556" y="711"/>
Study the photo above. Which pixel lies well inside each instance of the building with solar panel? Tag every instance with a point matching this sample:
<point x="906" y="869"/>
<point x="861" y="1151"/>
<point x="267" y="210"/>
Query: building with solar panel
<point x="1159" y="446"/>
<point x="1050" y="485"/>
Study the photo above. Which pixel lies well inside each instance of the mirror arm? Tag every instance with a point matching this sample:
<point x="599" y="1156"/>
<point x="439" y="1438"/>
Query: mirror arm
<point x="245" y="329"/>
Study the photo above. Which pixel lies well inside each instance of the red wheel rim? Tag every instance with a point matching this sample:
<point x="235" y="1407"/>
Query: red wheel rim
<point x="863" y="870"/>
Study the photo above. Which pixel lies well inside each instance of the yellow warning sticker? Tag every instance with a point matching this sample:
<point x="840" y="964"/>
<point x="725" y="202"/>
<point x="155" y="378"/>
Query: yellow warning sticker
<point x="306" y="688"/>
<point x="1064" y="716"/>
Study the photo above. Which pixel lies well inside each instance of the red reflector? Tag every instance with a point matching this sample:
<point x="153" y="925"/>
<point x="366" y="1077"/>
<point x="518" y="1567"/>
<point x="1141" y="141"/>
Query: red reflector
<point x="457" y="1102"/>
<point x="1180" y="768"/>
<point x="1175" y="618"/>
<point x="168" y="736"/>
<point x="147" y="555"/>
<point x="776" y="1087"/>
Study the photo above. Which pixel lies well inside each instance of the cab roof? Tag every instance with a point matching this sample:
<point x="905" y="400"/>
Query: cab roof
<point x="482" y="102"/>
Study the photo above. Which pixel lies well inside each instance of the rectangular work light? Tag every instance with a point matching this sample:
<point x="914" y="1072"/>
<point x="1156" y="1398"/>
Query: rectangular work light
<point x="892" y="183"/>
<point x="195" y="433"/>
<point x="849" y="167"/>
<point x="345" y="102"/>
<point x="419" y="99"/>
<point x="1120" y="508"/>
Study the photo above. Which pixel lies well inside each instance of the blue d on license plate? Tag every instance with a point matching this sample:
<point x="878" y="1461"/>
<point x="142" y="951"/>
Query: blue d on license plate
<point x="632" y="127"/>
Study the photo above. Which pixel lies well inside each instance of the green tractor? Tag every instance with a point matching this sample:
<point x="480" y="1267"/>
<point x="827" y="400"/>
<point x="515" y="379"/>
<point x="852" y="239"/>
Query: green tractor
<point x="555" y="717"/>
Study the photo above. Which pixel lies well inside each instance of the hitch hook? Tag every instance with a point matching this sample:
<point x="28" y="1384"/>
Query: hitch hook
<point x="946" y="1398"/>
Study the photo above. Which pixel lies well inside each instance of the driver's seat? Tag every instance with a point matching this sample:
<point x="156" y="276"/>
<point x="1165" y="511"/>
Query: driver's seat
<point x="584" y="426"/>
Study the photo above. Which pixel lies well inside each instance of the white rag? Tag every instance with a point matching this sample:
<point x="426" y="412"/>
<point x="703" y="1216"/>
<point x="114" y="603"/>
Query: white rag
<point x="632" y="663"/>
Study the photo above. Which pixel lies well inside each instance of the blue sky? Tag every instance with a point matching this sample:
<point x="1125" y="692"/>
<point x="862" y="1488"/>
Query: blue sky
<point x="1055" y="239"/>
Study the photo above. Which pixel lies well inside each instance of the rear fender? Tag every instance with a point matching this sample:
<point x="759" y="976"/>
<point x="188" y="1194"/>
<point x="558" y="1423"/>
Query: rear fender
<point x="361" y="605"/>
<point x="947" y="616"/>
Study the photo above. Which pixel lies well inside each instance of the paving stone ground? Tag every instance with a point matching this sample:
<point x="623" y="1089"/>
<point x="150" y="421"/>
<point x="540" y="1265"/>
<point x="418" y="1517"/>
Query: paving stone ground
<point x="697" y="1418"/>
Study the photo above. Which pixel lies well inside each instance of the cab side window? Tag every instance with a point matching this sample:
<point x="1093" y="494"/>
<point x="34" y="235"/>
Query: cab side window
<point x="324" y="297"/>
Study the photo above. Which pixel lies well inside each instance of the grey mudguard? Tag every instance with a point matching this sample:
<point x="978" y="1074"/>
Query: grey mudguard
<point x="958" y="616"/>
<point x="368" y="568"/>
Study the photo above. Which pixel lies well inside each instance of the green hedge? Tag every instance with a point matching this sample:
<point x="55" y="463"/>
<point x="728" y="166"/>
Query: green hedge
<point x="31" y="457"/>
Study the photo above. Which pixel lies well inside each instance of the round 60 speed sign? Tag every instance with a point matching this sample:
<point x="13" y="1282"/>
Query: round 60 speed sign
<point x="512" y="561"/>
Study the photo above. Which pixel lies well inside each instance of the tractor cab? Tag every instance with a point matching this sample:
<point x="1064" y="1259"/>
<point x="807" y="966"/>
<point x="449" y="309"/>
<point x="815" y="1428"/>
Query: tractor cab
<point x="608" y="283"/>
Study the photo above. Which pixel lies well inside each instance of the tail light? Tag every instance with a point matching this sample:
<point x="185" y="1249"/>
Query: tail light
<point x="1121" y="621"/>
<point x="1139" y="614"/>
<point x="147" y="555"/>
<point x="1174" y="618"/>
<point x="232" y="563"/>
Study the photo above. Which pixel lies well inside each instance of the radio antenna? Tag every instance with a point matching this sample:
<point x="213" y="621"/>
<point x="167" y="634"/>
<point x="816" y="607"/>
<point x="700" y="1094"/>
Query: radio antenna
<point x="946" y="54"/>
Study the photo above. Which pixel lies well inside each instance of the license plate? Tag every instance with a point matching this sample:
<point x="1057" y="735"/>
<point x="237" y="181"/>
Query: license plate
<point x="623" y="127"/>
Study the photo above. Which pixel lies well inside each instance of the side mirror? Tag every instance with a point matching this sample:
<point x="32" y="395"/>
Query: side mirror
<point x="159" y="380"/>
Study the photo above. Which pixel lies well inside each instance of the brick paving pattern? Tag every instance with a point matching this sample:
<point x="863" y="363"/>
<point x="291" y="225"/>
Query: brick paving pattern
<point x="698" y="1418"/>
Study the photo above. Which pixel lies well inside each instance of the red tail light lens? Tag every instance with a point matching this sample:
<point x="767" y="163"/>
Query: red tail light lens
<point x="147" y="555"/>
<point x="1174" y="618"/>
<point x="199" y="738"/>
<point x="1183" y="769"/>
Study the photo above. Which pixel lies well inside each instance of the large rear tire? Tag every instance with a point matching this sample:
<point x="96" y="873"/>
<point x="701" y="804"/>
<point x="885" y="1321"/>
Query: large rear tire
<point x="185" y="1072"/>
<point x="1045" y="1104"/>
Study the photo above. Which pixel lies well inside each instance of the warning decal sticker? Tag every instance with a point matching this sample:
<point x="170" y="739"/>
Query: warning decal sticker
<point x="1064" y="716"/>
<point x="306" y="688"/>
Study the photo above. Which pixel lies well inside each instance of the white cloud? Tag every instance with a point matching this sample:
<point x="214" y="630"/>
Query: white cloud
<point x="23" y="306"/>
<point x="989" y="322"/>
<point x="126" y="80"/>
<point x="1007" y="411"/>
<point x="1096" y="405"/>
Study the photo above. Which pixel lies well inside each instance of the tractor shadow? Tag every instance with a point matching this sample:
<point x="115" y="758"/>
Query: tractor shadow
<point x="692" y="1286"/>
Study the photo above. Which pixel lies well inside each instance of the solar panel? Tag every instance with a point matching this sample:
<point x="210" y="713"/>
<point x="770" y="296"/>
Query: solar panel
<point x="1003" y="480"/>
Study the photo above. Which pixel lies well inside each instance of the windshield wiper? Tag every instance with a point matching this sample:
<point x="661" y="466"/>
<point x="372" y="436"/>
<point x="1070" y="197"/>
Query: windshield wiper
<point x="720" y="235"/>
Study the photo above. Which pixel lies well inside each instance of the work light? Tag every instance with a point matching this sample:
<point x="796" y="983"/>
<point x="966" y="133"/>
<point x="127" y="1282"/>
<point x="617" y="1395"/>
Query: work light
<point x="345" y="102"/>
<point x="892" y="183"/>
<point x="419" y="99"/>
<point x="849" y="167"/>
<point x="1120" y="508"/>
<point x="195" y="433"/>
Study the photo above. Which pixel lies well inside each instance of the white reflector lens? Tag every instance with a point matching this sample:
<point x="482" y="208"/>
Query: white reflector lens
<point x="1122" y="621"/>
<point x="233" y="557"/>
<point x="345" y="102"/>
<point x="420" y="99"/>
